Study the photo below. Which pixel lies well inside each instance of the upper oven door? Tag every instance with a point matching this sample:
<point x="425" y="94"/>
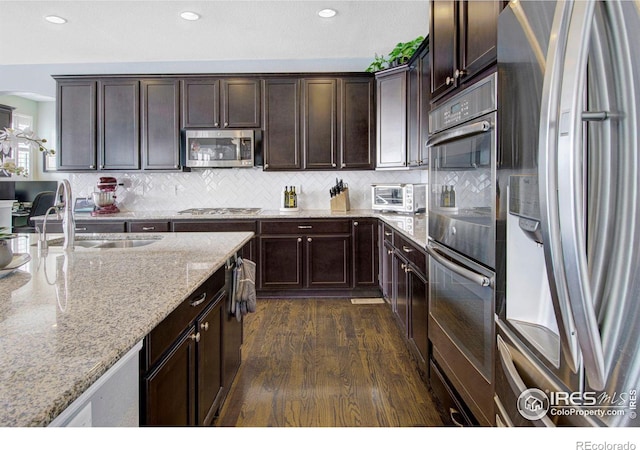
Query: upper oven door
<point x="462" y="188"/>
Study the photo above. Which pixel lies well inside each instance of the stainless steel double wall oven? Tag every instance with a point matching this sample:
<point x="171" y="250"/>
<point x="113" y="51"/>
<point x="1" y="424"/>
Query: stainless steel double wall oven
<point x="462" y="151"/>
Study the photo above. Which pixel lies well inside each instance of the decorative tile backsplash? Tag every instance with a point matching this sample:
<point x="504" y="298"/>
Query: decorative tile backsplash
<point x="238" y="188"/>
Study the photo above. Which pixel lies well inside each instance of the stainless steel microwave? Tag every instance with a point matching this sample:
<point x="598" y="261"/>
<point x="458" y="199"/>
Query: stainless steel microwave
<point x="402" y="198"/>
<point x="219" y="148"/>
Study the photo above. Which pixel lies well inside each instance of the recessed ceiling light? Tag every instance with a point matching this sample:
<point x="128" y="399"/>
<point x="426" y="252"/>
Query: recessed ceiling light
<point x="327" y="13"/>
<point x="55" y="19"/>
<point x="190" y="15"/>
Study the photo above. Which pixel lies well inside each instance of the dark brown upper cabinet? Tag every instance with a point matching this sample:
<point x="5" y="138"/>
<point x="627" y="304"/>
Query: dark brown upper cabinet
<point x="119" y="124"/>
<point x="463" y="42"/>
<point x="160" y="120"/>
<point x="316" y="123"/>
<point x="76" y="117"/>
<point x="221" y="103"/>
<point x="281" y="138"/>
<point x="319" y="123"/>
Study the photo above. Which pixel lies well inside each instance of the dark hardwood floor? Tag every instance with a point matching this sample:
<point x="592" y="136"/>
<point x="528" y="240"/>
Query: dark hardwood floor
<point x="325" y="363"/>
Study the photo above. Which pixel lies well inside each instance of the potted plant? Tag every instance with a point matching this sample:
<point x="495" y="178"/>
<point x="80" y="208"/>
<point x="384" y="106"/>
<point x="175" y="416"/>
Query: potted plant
<point x="9" y="140"/>
<point x="401" y="53"/>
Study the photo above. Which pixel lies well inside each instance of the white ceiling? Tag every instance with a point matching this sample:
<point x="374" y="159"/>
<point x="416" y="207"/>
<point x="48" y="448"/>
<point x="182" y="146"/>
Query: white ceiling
<point x="114" y="31"/>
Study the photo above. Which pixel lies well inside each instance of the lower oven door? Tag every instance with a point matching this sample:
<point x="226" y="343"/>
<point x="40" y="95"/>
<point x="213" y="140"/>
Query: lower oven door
<point x="461" y="326"/>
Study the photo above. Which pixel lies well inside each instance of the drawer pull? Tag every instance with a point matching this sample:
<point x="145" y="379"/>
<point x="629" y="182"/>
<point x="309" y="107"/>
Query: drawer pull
<point x="81" y="228"/>
<point x="200" y="299"/>
<point x="309" y="239"/>
<point x="388" y="233"/>
<point x="389" y="252"/>
<point x="305" y="227"/>
<point x="204" y="326"/>
<point x="148" y="228"/>
<point x="406" y="249"/>
<point x="355" y="224"/>
<point x="299" y="239"/>
<point x="195" y="337"/>
<point x="453" y="413"/>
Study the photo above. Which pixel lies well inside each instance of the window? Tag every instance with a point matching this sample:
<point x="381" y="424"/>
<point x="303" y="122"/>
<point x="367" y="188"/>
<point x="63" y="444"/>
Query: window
<point x="23" y="157"/>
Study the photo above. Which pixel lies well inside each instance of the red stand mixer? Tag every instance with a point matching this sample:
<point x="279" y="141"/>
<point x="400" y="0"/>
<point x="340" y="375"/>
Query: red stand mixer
<point x="105" y="199"/>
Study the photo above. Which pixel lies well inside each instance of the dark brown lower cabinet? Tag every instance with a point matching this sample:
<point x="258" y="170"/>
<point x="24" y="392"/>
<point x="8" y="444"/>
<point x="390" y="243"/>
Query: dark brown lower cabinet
<point x="298" y="262"/>
<point x="419" y="297"/>
<point x="183" y="359"/>
<point x="170" y="388"/>
<point x="364" y="234"/>
<point x="402" y="293"/>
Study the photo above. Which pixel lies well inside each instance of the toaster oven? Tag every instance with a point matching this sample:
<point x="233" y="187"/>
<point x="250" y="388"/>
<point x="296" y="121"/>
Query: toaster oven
<point x="401" y="198"/>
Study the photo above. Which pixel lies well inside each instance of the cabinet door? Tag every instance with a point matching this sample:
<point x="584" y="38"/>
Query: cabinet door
<point x="281" y="140"/>
<point x="402" y="293"/>
<point x="443" y="45"/>
<point x="365" y="252"/>
<point x="392" y="120"/>
<point x="425" y="106"/>
<point x="76" y="124"/>
<point x="413" y="116"/>
<point x="6" y="114"/>
<point x="386" y="273"/>
<point x="160" y="124"/>
<point x="169" y="390"/>
<point x="419" y="313"/>
<point x="281" y="262"/>
<point x="118" y="124"/>
<point x="478" y="36"/>
<point x="357" y="123"/>
<point x="209" y="353"/>
<point x="200" y="103"/>
<point x="319" y="128"/>
<point x="231" y="345"/>
<point x="241" y="103"/>
<point x="328" y="261"/>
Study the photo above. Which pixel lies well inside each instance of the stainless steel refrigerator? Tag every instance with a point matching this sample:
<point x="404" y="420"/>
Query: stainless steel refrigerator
<point x="568" y="228"/>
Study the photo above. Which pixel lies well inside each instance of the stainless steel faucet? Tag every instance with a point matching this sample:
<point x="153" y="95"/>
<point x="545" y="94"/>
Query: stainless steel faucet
<point x="68" y="221"/>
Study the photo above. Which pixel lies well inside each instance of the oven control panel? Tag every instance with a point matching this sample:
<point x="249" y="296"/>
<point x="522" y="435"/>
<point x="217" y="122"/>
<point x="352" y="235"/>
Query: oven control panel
<point x="474" y="101"/>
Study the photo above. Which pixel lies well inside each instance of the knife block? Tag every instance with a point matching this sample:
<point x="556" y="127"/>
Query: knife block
<point x="340" y="203"/>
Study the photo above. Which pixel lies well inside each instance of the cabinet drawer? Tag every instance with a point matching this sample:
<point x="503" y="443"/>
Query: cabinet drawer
<point x="305" y="227"/>
<point x="100" y="227"/>
<point x="148" y="227"/>
<point x="163" y="335"/>
<point x="412" y="253"/>
<point x="453" y="413"/>
<point x="215" y="225"/>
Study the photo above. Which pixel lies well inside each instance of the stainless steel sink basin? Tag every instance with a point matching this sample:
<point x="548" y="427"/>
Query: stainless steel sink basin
<point x="104" y="243"/>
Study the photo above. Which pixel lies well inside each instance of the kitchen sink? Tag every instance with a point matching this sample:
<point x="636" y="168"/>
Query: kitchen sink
<point x="104" y="243"/>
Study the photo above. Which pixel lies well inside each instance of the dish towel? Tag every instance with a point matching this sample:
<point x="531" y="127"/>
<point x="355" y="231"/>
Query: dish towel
<point x="244" y="298"/>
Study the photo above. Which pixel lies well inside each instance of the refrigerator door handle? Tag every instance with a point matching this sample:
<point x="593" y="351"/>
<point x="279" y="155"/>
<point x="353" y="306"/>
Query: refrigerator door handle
<point x="570" y="194"/>
<point x="514" y="379"/>
<point x="548" y="180"/>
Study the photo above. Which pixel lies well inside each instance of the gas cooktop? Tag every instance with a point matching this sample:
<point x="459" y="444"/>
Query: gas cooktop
<point x="222" y="211"/>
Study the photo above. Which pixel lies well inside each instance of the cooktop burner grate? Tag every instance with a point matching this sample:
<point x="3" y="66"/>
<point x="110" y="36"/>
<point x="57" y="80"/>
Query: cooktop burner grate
<point x="220" y="211"/>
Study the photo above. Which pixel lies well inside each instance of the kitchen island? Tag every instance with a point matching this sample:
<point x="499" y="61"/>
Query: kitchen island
<point x="67" y="317"/>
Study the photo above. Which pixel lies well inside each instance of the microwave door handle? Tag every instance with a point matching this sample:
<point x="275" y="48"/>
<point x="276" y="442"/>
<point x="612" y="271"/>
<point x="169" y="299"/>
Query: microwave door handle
<point x="459" y="133"/>
<point x="470" y="275"/>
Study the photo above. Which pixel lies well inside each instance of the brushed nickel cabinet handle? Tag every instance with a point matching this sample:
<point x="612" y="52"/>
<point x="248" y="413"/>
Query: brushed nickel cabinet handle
<point x="389" y="252"/>
<point x="148" y="228"/>
<point x="299" y="239"/>
<point x="195" y="337"/>
<point x="200" y="299"/>
<point x="355" y="224"/>
<point x="305" y="227"/>
<point x="387" y="233"/>
<point x="309" y="239"/>
<point x="204" y="326"/>
<point x="81" y="229"/>
<point x="266" y="166"/>
<point x="406" y="249"/>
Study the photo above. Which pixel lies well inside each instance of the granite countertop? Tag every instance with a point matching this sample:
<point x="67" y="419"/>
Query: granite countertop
<point x="413" y="226"/>
<point x="67" y="317"/>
